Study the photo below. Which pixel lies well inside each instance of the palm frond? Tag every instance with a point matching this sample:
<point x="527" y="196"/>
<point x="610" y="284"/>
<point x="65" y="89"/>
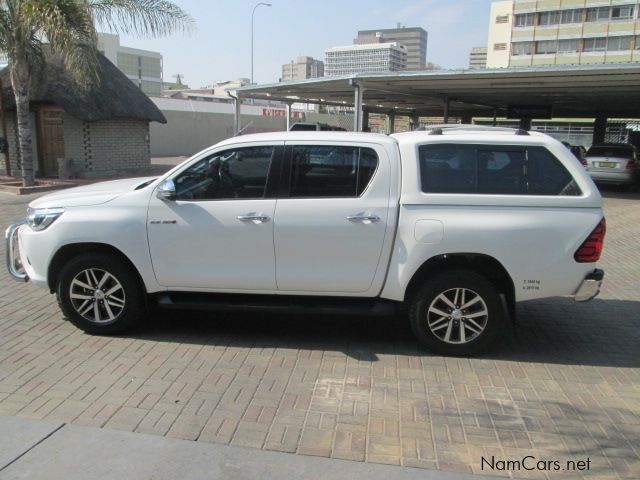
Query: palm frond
<point x="69" y="30"/>
<point x="150" y="18"/>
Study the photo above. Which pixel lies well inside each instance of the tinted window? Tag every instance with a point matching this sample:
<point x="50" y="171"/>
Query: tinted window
<point x="493" y="170"/>
<point x="236" y="173"/>
<point x="610" y="151"/>
<point x="330" y="171"/>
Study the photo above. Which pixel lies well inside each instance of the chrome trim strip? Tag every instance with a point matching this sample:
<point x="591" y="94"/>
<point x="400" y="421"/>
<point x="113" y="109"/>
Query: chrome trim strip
<point x="10" y="243"/>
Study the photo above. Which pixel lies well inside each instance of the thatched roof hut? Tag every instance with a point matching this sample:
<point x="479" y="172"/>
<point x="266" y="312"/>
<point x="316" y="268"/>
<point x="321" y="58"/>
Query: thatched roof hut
<point x="113" y="97"/>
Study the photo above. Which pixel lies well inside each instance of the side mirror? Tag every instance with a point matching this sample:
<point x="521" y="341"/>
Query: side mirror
<point x="166" y="190"/>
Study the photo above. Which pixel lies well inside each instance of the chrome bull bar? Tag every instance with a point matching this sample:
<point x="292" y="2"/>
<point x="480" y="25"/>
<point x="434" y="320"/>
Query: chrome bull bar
<point x="12" y="254"/>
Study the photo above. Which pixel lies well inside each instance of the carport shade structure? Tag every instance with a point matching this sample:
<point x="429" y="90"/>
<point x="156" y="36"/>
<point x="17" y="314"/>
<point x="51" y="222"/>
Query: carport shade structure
<point x="576" y="91"/>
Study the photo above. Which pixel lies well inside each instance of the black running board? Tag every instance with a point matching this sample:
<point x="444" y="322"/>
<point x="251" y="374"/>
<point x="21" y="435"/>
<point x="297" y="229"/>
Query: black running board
<point x="290" y="304"/>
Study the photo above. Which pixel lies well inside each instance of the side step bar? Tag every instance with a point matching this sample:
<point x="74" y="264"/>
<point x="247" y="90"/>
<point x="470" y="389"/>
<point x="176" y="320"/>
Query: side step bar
<point x="291" y="304"/>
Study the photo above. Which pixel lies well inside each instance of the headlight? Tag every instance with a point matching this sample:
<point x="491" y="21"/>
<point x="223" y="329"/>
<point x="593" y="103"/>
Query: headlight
<point x="40" y="218"/>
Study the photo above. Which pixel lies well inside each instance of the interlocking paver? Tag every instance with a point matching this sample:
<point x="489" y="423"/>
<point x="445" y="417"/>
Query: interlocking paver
<point x="566" y="386"/>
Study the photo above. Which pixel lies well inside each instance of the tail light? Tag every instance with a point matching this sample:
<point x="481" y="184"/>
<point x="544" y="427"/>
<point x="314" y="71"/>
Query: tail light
<point x="583" y="161"/>
<point x="591" y="248"/>
<point x="631" y="165"/>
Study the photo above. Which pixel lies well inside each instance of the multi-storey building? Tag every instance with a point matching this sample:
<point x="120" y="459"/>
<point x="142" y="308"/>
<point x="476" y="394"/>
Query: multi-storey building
<point x="478" y="58"/>
<point x="303" y="68"/>
<point x="560" y="32"/>
<point x="374" y="57"/>
<point x="414" y="38"/>
<point x="142" y="67"/>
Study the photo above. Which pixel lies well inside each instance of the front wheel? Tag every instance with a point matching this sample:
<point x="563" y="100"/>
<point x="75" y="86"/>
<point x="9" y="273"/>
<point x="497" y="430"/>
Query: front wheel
<point x="457" y="312"/>
<point x="100" y="294"/>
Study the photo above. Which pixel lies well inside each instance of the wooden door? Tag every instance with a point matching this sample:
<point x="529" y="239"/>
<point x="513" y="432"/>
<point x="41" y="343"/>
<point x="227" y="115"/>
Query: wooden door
<point x="51" y="140"/>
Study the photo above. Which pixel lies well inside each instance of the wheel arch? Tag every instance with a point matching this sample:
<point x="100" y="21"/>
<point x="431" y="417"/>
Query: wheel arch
<point x="482" y="264"/>
<point x="67" y="252"/>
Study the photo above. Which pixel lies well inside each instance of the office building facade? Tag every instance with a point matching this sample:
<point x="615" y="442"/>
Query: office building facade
<point x="369" y="58"/>
<point x="478" y="58"/>
<point x="561" y="32"/>
<point x="414" y="38"/>
<point x="142" y="67"/>
<point x="303" y="68"/>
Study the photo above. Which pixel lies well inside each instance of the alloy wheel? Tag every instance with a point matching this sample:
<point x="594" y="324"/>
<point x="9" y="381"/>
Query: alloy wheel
<point x="457" y="316"/>
<point x="97" y="295"/>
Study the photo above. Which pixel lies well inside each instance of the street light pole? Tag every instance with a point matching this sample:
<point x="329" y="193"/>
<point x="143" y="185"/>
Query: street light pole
<point x="252" y="13"/>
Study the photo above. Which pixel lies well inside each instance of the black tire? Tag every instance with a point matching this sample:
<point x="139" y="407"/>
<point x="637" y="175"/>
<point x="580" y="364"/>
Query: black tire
<point x="130" y="295"/>
<point x="459" y="343"/>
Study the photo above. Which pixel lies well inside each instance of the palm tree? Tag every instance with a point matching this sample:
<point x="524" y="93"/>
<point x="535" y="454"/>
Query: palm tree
<point x="68" y="29"/>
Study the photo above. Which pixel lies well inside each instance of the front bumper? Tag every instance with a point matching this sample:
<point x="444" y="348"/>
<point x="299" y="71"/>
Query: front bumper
<point x="12" y="253"/>
<point x="590" y="286"/>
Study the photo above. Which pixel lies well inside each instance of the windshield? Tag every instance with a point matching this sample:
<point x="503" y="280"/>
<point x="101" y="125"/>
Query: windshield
<point x="611" y="151"/>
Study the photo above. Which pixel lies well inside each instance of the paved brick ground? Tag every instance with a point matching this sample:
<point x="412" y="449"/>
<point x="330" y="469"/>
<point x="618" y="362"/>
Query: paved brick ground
<point x="567" y="387"/>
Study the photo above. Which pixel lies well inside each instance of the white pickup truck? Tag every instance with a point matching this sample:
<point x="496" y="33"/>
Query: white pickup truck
<point x="452" y="226"/>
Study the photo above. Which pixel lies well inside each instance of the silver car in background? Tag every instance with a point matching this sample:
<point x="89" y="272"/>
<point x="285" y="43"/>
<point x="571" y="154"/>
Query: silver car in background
<point x="613" y="163"/>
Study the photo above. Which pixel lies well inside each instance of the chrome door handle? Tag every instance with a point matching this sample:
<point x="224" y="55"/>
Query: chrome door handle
<point x="253" y="217"/>
<point x="363" y="218"/>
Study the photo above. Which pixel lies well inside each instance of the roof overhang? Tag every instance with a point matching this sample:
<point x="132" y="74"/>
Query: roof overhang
<point x="582" y="91"/>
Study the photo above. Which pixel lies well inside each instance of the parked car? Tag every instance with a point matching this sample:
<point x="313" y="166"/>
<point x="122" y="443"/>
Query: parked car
<point x="453" y="226"/>
<point x="613" y="163"/>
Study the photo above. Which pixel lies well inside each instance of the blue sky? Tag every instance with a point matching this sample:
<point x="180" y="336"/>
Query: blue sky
<point x="219" y="48"/>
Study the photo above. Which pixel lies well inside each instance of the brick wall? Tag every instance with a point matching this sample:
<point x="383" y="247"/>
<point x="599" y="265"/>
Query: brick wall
<point x="106" y="147"/>
<point x="12" y="138"/>
<point x="103" y="148"/>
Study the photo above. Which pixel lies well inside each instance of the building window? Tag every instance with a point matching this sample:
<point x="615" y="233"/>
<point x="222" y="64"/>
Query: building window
<point x="522" y="48"/>
<point x="549" y="18"/>
<point x="622" y="13"/>
<point x="571" y="16"/>
<point x="502" y="19"/>
<point x="598" y="14"/>
<point x="499" y="46"/>
<point x="525" y="20"/>
<point x="568" y="46"/>
<point x="547" y="46"/>
<point x="638" y="42"/>
<point x="616" y="44"/>
<point x="595" y="44"/>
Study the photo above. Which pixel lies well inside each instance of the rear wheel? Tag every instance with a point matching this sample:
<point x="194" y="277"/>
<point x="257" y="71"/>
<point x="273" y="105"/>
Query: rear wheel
<point x="458" y="312"/>
<point x="100" y="294"/>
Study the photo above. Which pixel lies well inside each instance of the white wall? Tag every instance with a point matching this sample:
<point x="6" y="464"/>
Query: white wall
<point x="499" y="33"/>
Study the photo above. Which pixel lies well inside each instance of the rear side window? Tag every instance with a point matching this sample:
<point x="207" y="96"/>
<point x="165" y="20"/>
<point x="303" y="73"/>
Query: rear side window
<point x="330" y="171"/>
<point x="483" y="169"/>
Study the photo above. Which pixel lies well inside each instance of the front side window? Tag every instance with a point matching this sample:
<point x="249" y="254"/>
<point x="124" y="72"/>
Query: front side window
<point x="230" y="174"/>
<point x="330" y="171"/>
<point x="480" y="169"/>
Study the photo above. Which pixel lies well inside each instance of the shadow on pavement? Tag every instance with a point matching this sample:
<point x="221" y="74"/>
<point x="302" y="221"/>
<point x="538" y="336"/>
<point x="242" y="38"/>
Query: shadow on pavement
<point x="602" y="332"/>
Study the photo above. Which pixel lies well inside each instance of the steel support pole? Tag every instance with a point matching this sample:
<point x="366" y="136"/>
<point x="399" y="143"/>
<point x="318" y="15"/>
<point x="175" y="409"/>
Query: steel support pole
<point x="392" y="122"/>
<point x="237" y="104"/>
<point x="446" y="110"/>
<point x="288" y="110"/>
<point x="357" y="107"/>
<point x="600" y="129"/>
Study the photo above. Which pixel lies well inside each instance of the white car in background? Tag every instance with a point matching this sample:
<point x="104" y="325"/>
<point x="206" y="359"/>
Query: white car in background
<point x="452" y="226"/>
<point x="613" y="163"/>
